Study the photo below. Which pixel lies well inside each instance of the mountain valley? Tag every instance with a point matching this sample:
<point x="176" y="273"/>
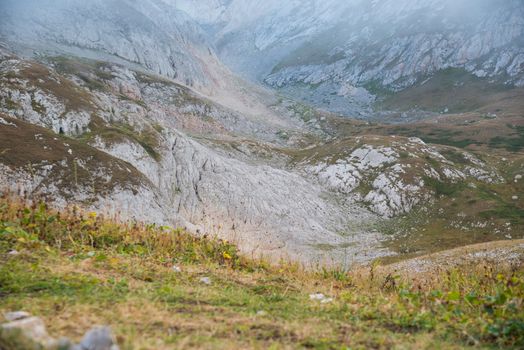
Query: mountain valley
<point x="234" y="174"/>
<point x="219" y="155"/>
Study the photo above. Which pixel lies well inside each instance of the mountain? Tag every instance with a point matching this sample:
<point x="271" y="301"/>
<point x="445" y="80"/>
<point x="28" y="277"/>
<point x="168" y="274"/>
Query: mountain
<point x="344" y="56"/>
<point x="123" y="107"/>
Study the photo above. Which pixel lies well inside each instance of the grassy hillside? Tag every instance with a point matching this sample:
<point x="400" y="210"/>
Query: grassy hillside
<point x="78" y="269"/>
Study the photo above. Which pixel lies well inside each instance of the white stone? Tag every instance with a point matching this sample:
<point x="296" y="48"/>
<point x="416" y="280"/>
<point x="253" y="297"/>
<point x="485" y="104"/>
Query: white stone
<point x="5" y="122"/>
<point x="326" y="301"/>
<point x="16" y="315"/>
<point x="31" y="327"/>
<point x="205" y="280"/>
<point x="321" y="298"/>
<point x="317" y="296"/>
<point x="99" y="338"/>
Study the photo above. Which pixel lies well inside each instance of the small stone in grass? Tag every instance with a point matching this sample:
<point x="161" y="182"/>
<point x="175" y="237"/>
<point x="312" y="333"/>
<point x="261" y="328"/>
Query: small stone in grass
<point x="320" y="297"/>
<point x="16" y="315"/>
<point x="28" y="329"/>
<point x="91" y="254"/>
<point x="177" y="269"/>
<point x="261" y="313"/>
<point x="205" y="280"/>
<point x="515" y="198"/>
<point x="317" y="296"/>
<point x="13" y="252"/>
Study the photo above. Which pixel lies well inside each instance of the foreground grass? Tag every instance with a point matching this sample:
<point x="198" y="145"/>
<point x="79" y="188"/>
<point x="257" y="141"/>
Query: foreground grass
<point x="76" y="270"/>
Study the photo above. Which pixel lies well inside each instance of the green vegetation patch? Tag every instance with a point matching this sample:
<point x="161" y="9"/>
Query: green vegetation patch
<point x="512" y="144"/>
<point x="304" y="112"/>
<point x="118" y="132"/>
<point x="38" y="107"/>
<point x="10" y="105"/>
<point x="444" y="188"/>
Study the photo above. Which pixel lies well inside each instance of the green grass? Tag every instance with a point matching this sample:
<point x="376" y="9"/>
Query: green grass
<point x="75" y="270"/>
<point x="500" y="209"/>
<point x="38" y="107"/>
<point x="304" y="112"/>
<point x="118" y="132"/>
<point x="448" y="138"/>
<point x="512" y="144"/>
<point x="454" y="156"/>
<point x="10" y="104"/>
<point x="453" y="89"/>
<point x="444" y="188"/>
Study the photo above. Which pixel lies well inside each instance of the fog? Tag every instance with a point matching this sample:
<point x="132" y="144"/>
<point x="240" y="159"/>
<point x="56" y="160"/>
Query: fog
<point x="251" y="35"/>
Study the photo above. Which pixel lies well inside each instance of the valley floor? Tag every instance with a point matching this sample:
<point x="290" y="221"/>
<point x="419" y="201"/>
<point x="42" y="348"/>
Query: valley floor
<point x="160" y="288"/>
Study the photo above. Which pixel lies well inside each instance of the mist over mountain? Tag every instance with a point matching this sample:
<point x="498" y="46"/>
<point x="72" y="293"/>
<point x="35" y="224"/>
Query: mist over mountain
<point x="150" y="33"/>
<point x="266" y="174"/>
<point x="342" y="54"/>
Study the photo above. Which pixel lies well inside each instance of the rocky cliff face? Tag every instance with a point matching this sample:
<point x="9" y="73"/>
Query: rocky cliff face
<point x="341" y="54"/>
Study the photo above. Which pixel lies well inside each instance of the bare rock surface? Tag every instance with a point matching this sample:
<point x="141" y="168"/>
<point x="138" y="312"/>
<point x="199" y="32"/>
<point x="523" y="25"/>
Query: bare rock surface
<point x="392" y="180"/>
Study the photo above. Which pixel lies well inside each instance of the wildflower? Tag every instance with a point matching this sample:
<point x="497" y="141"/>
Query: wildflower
<point x="227" y="256"/>
<point x="92" y="215"/>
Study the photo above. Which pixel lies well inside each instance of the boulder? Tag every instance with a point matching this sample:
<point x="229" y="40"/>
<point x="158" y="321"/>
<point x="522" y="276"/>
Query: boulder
<point x="98" y="338"/>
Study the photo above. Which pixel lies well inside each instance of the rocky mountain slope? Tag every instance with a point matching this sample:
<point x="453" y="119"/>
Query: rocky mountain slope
<point x="343" y="55"/>
<point x="121" y="141"/>
<point x="68" y="124"/>
<point x="150" y="35"/>
<point x="96" y="109"/>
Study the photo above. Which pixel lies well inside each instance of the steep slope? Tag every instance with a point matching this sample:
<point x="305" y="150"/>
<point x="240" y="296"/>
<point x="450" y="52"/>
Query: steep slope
<point x="254" y="36"/>
<point x="148" y="33"/>
<point x="318" y="204"/>
<point x="138" y="118"/>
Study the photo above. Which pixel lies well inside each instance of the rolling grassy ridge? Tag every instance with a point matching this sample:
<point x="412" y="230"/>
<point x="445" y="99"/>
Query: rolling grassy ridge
<point x="78" y="269"/>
